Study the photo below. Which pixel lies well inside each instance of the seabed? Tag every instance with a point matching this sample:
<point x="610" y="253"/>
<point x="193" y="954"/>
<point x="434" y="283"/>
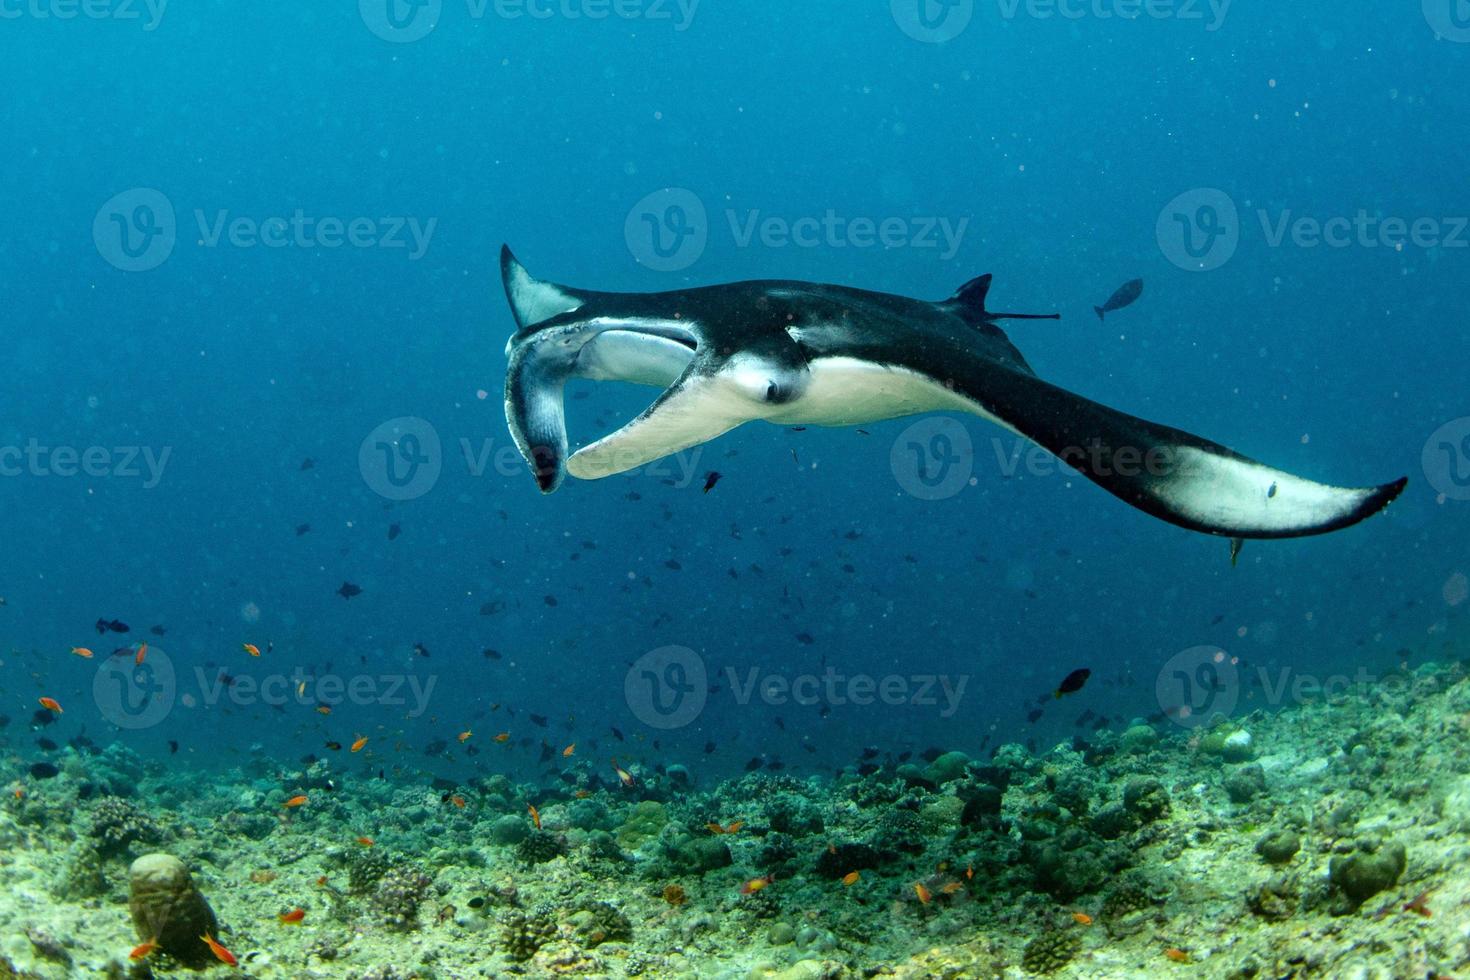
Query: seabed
<point x="1326" y="839"/>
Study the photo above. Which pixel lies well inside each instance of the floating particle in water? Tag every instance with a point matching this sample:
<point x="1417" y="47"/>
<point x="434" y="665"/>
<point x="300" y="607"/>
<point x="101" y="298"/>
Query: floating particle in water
<point x="1456" y="589"/>
<point x="250" y="612"/>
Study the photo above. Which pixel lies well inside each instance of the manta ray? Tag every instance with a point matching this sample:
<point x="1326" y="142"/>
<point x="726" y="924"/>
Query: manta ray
<point x="801" y="353"/>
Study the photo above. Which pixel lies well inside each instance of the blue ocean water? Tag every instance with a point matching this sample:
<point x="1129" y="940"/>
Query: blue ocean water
<point x="246" y="242"/>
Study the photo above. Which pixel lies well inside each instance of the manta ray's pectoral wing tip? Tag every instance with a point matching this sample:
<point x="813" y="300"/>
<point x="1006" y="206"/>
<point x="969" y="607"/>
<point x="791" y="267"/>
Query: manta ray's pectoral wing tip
<point x="1381" y="496"/>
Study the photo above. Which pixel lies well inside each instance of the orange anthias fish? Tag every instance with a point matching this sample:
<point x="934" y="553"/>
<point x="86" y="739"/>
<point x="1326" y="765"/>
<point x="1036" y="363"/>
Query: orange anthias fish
<point x="143" y="950"/>
<point x="503" y="737"/>
<point x="851" y="878"/>
<point x="1176" y="954"/>
<point x="733" y="828"/>
<point x="365" y="841"/>
<point x="323" y="709"/>
<point x="756" y="884"/>
<point x="569" y="751"/>
<point x="220" y="953"/>
<point x="535" y="815"/>
<point x="925" y="895"/>
<point x="361" y="741"/>
<point x="292" y="918"/>
<point x="299" y="799"/>
<point x="87" y="654"/>
<point x="465" y="736"/>
<point x="951" y="887"/>
<point x="251" y="649"/>
<point x="1082" y="918"/>
<point x="50" y="704"/>
<point x="457" y="800"/>
<point x="1419" y="904"/>
<point x="142" y="652"/>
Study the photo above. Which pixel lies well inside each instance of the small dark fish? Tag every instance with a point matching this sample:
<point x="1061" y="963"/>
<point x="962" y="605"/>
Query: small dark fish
<point x="805" y="638"/>
<point x="158" y="631"/>
<point x="753" y="764"/>
<point x="492" y="607"/>
<point x="1125" y="296"/>
<point x="931" y="753"/>
<point x="711" y="480"/>
<point x="334" y="746"/>
<point x="549" y="600"/>
<point x="775" y="765"/>
<point x="871" y="752"/>
<point x="547" y="753"/>
<point x="394" y="530"/>
<point x="1084" y="718"/>
<point x="780" y="723"/>
<point x="1072" y="683"/>
<point x="436" y="747"/>
<point x="490" y="653"/>
<point x="112" y="626"/>
<point x="42" y="718"/>
<point x="617" y="735"/>
<point x="46" y="745"/>
<point x="1218" y="620"/>
<point x="1235" y="545"/>
<point x="302" y="529"/>
<point x="173" y="747"/>
<point x="44" y="770"/>
<point x="1034" y="715"/>
<point x="538" y="720"/>
<point x="307" y="464"/>
<point x="673" y="566"/>
<point x="348" y="590"/>
<point x="419" y="650"/>
<point x="709" y="747"/>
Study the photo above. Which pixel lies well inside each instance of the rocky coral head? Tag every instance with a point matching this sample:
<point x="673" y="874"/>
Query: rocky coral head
<point x="165" y="906"/>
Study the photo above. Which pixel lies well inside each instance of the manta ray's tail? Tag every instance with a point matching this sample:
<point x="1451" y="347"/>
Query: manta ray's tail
<point x="968" y="303"/>
<point x="1171" y="474"/>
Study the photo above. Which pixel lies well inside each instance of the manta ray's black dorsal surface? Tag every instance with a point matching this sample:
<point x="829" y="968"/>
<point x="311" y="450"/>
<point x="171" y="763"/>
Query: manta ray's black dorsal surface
<point x="799" y="353"/>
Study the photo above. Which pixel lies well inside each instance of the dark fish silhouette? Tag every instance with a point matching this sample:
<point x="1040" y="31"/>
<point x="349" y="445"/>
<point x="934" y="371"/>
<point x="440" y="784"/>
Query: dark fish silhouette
<point x="158" y="631"/>
<point x="394" y="530"/>
<point x="1073" y="682"/>
<point x="307" y="463"/>
<point x="1125" y="296"/>
<point x="491" y="653"/>
<point x="349" y="590"/>
<point x="302" y="529"/>
<point x="112" y="626"/>
<point x="711" y="480"/>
